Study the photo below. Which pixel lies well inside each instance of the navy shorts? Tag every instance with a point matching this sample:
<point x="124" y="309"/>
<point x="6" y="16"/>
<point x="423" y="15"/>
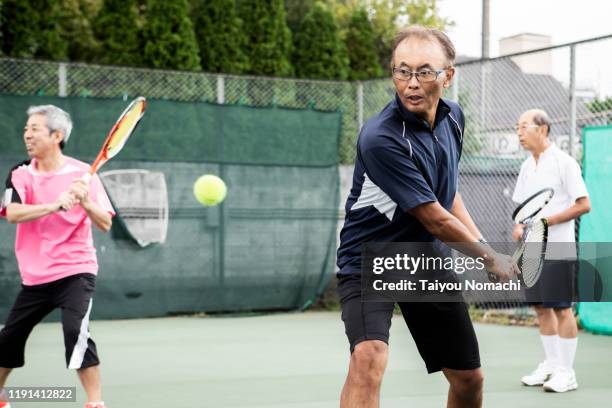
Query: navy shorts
<point x="443" y="332"/>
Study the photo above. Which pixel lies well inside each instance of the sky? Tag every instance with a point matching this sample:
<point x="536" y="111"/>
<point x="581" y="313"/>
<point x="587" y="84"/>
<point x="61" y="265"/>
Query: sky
<point x="564" y="20"/>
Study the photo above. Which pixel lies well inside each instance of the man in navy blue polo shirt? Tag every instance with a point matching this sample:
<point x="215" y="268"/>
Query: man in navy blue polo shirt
<point x="405" y="190"/>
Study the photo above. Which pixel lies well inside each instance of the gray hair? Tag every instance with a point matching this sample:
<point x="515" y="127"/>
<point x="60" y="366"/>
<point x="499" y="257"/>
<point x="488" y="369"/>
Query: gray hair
<point x="57" y="120"/>
<point x="541" y="118"/>
<point x="426" y="33"/>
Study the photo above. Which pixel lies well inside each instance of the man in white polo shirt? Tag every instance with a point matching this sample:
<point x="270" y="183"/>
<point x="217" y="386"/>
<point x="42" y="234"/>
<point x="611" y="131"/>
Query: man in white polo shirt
<point x="549" y="166"/>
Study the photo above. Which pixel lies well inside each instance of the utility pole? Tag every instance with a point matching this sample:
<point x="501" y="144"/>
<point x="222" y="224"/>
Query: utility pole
<point x="484" y="65"/>
<point x="485" y="29"/>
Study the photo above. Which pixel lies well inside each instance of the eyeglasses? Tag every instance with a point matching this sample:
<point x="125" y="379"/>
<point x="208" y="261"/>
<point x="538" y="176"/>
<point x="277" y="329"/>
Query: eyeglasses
<point x="525" y="127"/>
<point x="426" y="75"/>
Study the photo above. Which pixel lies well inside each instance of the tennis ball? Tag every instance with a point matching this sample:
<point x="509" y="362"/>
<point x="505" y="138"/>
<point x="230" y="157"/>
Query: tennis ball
<point x="209" y="190"/>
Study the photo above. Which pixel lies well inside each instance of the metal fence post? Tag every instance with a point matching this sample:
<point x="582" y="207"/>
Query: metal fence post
<point x="220" y="89"/>
<point x="483" y="96"/>
<point x="61" y="78"/>
<point x="572" y="90"/>
<point x="221" y="209"/>
<point x="455" y="88"/>
<point x="360" y="104"/>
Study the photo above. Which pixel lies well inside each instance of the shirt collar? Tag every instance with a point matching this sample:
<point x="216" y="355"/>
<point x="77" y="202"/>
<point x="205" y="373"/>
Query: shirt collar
<point x="412" y="119"/>
<point x="548" y="150"/>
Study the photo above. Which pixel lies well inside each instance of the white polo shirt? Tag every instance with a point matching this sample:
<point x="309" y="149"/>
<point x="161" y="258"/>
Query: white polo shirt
<point x="558" y="170"/>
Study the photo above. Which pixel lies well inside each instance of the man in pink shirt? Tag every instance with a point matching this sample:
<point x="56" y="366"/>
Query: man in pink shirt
<point x="54" y="209"/>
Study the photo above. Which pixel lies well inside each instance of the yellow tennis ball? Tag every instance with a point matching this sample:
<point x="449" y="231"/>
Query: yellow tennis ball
<point x="209" y="190"/>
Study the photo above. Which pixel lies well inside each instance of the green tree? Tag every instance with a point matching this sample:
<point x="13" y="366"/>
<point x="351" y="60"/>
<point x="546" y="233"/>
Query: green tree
<point x="425" y="13"/>
<point x="295" y="11"/>
<point x="360" y="42"/>
<point x="602" y="105"/>
<point x="76" y="30"/>
<point x="117" y="29"/>
<point x="388" y="16"/>
<point x="2" y="23"/>
<point x="91" y="8"/>
<point x="343" y="9"/>
<point x="169" y="39"/>
<point x="32" y="29"/>
<point x="220" y="37"/>
<point x="268" y="37"/>
<point x="319" y="52"/>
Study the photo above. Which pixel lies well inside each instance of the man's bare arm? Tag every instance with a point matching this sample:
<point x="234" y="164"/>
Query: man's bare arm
<point x="17" y="212"/>
<point x="581" y="206"/>
<point x="449" y="229"/>
<point x="461" y="213"/>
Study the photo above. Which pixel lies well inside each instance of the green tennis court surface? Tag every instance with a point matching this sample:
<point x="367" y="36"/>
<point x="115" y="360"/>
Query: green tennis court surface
<point x="295" y="360"/>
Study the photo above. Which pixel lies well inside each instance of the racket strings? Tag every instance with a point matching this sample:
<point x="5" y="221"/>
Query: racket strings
<point x="124" y="128"/>
<point x="533" y="252"/>
<point x="530" y="269"/>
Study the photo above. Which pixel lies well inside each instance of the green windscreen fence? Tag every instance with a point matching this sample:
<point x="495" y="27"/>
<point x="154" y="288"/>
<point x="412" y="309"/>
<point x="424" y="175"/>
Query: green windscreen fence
<point x="596" y="226"/>
<point x="269" y="245"/>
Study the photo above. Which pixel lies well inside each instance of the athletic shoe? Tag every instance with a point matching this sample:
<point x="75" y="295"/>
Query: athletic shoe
<point x="562" y="380"/>
<point x="99" y="404"/>
<point x="4" y="400"/>
<point x="539" y="376"/>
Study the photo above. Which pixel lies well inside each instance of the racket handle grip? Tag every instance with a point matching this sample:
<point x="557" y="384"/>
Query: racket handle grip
<point x="86" y="178"/>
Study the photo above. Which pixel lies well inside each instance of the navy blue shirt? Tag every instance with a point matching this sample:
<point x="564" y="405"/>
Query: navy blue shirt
<point x="401" y="163"/>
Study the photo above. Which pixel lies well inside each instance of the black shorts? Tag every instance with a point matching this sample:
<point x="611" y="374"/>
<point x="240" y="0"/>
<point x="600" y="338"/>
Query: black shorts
<point x="73" y="295"/>
<point x="556" y="287"/>
<point x="443" y="331"/>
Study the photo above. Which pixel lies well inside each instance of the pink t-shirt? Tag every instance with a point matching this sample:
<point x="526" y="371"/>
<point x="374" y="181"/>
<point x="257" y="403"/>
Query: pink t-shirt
<point x="59" y="244"/>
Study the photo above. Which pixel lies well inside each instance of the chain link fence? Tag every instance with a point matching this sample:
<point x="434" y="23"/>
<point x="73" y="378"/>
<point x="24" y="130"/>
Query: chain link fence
<point x="562" y="80"/>
<point x="30" y="77"/>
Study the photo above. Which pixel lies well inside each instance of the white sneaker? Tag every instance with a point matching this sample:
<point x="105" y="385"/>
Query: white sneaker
<point x="539" y="376"/>
<point x="562" y="380"/>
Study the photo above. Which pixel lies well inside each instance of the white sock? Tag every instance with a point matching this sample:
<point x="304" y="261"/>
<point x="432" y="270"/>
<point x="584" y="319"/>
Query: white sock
<point x="567" y="352"/>
<point x="551" y="349"/>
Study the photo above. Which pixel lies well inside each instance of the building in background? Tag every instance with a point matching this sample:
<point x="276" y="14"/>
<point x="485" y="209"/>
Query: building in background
<point x="539" y="63"/>
<point x="495" y="93"/>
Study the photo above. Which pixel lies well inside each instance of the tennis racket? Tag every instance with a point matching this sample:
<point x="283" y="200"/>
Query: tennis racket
<point x="118" y="135"/>
<point x="530" y="254"/>
<point x="532" y="206"/>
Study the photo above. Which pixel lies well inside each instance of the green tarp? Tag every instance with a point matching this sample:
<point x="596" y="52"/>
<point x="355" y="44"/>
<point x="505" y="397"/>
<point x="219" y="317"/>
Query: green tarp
<point x="270" y="245"/>
<point x="596" y="226"/>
